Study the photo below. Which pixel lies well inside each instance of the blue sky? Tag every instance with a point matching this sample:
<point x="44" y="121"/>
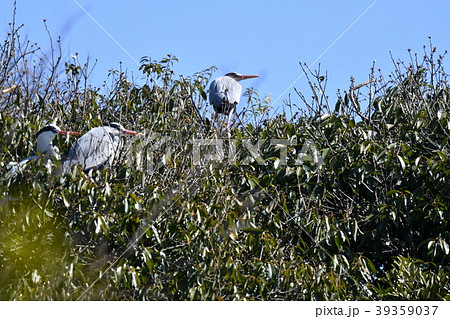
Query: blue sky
<point x="267" y="38"/>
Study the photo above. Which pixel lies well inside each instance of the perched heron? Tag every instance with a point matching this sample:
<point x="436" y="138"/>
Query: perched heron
<point x="45" y="145"/>
<point x="97" y="148"/>
<point x="225" y="93"/>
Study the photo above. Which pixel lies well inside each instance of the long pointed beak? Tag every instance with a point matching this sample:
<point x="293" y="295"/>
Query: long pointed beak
<point x="245" y="77"/>
<point x="128" y="132"/>
<point x="69" y="133"/>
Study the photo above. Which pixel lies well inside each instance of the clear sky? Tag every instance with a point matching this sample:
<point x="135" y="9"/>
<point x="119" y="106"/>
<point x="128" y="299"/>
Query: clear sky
<point x="266" y="38"/>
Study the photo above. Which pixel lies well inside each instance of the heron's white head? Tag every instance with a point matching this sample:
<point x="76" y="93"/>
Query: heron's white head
<point x="239" y="77"/>
<point x="120" y="130"/>
<point x="45" y="137"/>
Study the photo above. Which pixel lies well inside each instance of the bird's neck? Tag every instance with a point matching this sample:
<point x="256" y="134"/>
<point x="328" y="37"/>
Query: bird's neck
<point x="46" y="148"/>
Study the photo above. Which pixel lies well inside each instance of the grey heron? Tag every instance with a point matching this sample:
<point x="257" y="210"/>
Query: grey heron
<point x="225" y="93"/>
<point x="44" y="143"/>
<point x="97" y="148"/>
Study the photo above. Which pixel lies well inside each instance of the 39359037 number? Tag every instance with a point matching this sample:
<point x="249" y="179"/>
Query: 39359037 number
<point x="406" y="310"/>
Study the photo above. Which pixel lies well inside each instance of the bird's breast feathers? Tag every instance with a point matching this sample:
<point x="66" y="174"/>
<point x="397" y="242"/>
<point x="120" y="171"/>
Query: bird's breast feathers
<point x="224" y="89"/>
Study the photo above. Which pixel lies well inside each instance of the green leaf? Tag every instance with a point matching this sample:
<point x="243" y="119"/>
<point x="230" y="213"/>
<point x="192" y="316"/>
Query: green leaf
<point x="355" y="229"/>
<point x="203" y="94"/>
<point x="65" y="201"/>
<point x="252" y="230"/>
<point x="442" y="155"/>
<point x="337" y="106"/>
<point x="402" y="162"/>
<point x="326" y="152"/>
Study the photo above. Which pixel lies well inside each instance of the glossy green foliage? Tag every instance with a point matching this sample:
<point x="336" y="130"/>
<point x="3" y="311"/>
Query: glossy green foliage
<point x="325" y="205"/>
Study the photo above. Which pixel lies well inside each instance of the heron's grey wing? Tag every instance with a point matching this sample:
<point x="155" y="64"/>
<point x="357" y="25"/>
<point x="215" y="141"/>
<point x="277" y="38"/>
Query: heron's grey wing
<point x="97" y="148"/>
<point x="224" y="89"/>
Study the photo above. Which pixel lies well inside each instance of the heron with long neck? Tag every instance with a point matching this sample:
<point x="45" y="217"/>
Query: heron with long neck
<point x="225" y="93"/>
<point x="44" y="144"/>
<point x="97" y="148"/>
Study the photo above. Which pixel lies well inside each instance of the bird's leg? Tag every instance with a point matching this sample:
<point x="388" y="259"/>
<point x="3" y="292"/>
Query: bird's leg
<point x="229" y="118"/>
<point x="228" y="125"/>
